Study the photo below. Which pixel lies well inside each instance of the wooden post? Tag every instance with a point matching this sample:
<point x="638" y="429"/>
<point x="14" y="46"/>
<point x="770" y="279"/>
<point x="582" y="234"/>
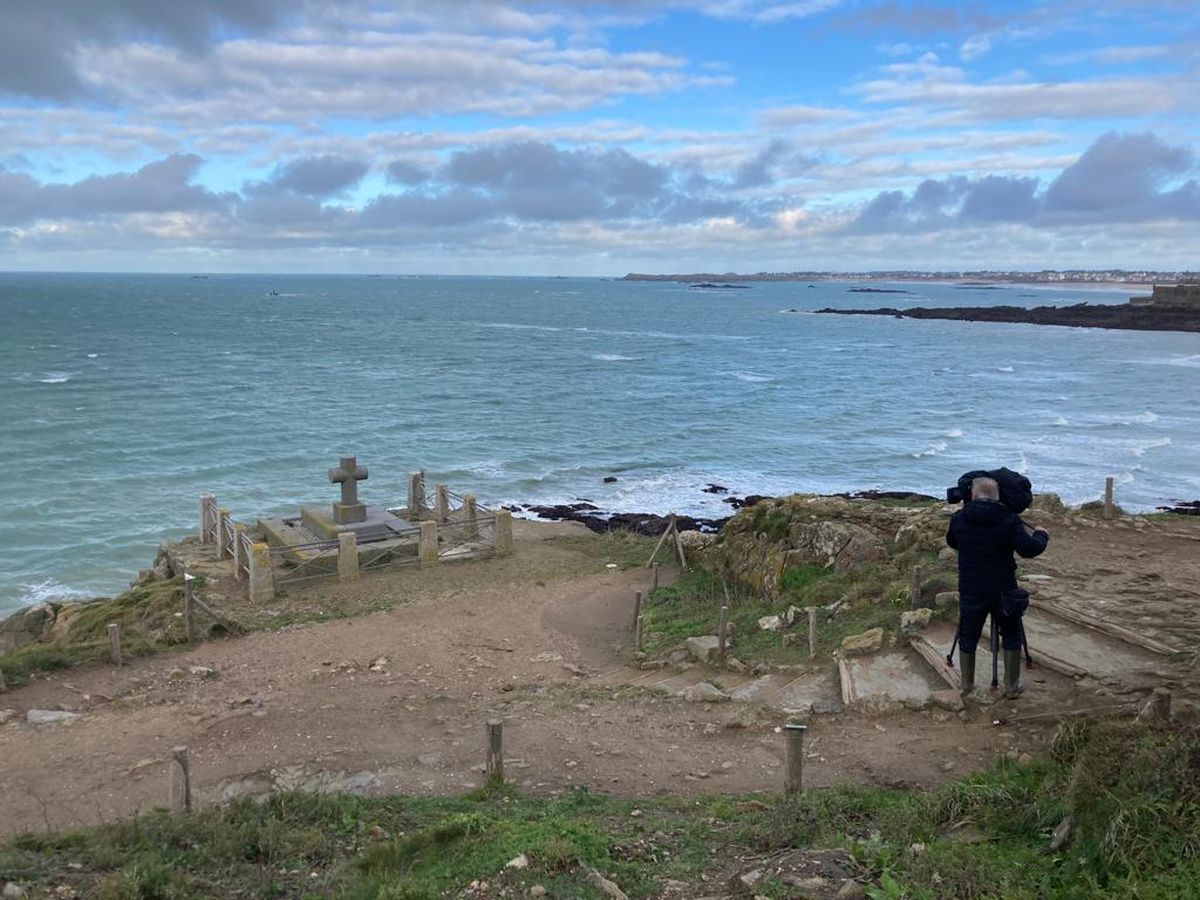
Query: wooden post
<point x="655" y="567"/>
<point x="1159" y="707"/>
<point x="917" y="579"/>
<point x="189" y="607"/>
<point x="662" y="540"/>
<point x="812" y="632"/>
<point x="442" y="503"/>
<point x="180" y="781"/>
<point x="224" y="534"/>
<point x="678" y="543"/>
<point x="637" y="610"/>
<point x="427" y="547"/>
<point x="640" y="632"/>
<point x="471" y="515"/>
<point x="3" y="684"/>
<point x="207" y="501"/>
<point x="495" y="751"/>
<point x="723" y="631"/>
<point x="795" y="757"/>
<point x="1108" y="497"/>
<point x="240" y="562"/>
<point x="114" y="643"/>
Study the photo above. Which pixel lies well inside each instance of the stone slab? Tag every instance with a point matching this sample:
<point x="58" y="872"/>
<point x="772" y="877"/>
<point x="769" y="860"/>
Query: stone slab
<point x="893" y="678"/>
<point x="378" y="524"/>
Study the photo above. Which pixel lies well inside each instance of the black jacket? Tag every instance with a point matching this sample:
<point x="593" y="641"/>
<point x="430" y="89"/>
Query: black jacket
<point x="986" y="533"/>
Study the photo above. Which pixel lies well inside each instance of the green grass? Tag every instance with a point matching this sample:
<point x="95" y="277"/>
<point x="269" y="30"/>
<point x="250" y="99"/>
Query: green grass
<point x="875" y="596"/>
<point x="1133" y="789"/>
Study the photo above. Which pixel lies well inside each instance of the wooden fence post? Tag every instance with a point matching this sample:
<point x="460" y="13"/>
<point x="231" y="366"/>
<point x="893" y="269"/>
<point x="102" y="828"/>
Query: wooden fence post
<point x="3" y="685"/>
<point x="495" y="751"/>
<point x="640" y="632"/>
<point x="637" y="610"/>
<point x="179" y="781"/>
<point x="207" y="501"/>
<point x="114" y="643"/>
<point x="917" y="579"/>
<point x="812" y="632"/>
<point x="441" y="501"/>
<point x="795" y="757"/>
<point x="723" y="631"/>
<point x="1108" y="496"/>
<point x="189" y="607"/>
<point x="655" y="588"/>
<point x="471" y="515"/>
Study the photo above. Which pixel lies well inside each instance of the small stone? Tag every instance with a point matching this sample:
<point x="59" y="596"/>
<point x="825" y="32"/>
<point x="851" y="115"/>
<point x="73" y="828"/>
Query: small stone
<point x="949" y="699"/>
<point x="704" y="648"/>
<point x="49" y="716"/>
<point x="750" y="880"/>
<point x="771" y="623"/>
<point x="377" y="833"/>
<point x="867" y="642"/>
<point x="379" y="664"/>
<point x="604" y="886"/>
<point x="7" y="715"/>
<point x="947" y="765"/>
<point x="917" y="848"/>
<point x="733" y="664"/>
<point x="913" y="620"/>
<point x="202" y="671"/>
<point x="943" y="599"/>
<point x="12" y="890"/>
<point x="518" y="862"/>
<point x="850" y="890"/>
<point x="704" y="692"/>
<point x="537" y="891"/>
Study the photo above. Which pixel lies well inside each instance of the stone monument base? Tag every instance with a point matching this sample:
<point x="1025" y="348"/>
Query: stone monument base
<point x="377" y="525"/>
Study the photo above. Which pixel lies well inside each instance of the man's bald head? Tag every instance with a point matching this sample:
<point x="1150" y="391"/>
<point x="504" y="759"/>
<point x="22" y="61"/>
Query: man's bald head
<point x="985" y="489"/>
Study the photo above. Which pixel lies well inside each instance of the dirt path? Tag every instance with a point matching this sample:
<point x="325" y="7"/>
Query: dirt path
<point x="506" y="638"/>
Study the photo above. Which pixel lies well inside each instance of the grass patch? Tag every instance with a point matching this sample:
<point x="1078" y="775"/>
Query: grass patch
<point x="1133" y="790"/>
<point x="624" y="548"/>
<point x="691" y="606"/>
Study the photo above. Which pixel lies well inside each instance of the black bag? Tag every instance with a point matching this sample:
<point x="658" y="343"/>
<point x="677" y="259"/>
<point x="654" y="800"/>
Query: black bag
<point x="1016" y="492"/>
<point x="1014" y="603"/>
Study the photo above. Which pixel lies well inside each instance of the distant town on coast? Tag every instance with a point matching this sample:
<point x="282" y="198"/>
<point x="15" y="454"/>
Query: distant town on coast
<point x="989" y="276"/>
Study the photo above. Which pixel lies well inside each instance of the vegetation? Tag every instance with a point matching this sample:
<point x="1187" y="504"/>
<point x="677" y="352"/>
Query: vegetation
<point x="1133" y="790"/>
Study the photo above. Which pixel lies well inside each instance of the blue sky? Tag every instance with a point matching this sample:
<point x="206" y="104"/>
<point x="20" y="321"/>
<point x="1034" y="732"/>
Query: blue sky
<point x="468" y="136"/>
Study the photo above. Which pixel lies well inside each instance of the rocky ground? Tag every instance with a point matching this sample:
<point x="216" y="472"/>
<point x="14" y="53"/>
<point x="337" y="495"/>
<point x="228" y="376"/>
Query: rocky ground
<point x="396" y="701"/>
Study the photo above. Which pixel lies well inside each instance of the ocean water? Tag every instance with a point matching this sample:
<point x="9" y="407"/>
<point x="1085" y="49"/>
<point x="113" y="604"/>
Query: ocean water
<point x="124" y="398"/>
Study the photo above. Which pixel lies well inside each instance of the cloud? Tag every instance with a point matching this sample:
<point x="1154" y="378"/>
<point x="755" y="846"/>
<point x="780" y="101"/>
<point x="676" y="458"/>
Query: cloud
<point x="786" y="116"/>
<point x="38" y="46"/>
<point x="158" y="187"/>
<point x="320" y="176"/>
<point x="1119" y="178"/>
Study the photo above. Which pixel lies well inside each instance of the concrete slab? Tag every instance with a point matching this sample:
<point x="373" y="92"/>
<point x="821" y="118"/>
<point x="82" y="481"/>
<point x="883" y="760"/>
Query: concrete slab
<point x="377" y="525"/>
<point x="896" y="677"/>
<point x="1095" y="654"/>
<point x="800" y="694"/>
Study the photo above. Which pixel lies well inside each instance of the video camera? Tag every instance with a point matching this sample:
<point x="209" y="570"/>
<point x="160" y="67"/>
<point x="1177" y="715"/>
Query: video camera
<point x="1015" y="490"/>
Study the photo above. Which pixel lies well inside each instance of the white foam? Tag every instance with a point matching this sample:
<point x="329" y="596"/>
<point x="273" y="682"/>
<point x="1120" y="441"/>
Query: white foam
<point x="934" y="449"/>
<point x="1006" y="369"/>
<point x="92" y="355"/>
<point x="56" y="377"/>
<point x="750" y="377"/>
<point x="612" y="357"/>
<point x="36" y="592"/>
<point x="953" y="433"/>
<point x="1140" y="449"/>
<point x="1060" y="422"/>
<point x="511" y="326"/>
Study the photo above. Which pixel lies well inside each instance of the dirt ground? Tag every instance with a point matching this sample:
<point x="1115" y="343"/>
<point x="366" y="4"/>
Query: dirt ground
<point x="397" y="701"/>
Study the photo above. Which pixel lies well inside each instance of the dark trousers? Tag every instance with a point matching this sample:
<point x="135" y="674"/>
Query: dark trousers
<point x="973" y="613"/>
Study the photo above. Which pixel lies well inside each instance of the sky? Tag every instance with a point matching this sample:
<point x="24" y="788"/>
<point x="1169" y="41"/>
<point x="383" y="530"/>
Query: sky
<point x="477" y="137"/>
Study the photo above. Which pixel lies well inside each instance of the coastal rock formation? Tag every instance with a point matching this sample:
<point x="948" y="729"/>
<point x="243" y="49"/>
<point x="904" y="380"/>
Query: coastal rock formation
<point x="1080" y="315"/>
<point x="26" y="627"/>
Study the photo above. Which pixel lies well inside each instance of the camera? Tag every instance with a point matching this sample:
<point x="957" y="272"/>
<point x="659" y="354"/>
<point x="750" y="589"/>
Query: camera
<point x="1015" y="490"/>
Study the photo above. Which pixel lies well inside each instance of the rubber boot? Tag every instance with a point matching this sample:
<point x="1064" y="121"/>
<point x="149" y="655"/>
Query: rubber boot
<point x="1012" y="674"/>
<point x="966" y="667"/>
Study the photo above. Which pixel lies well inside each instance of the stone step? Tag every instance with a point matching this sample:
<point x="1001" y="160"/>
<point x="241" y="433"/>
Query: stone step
<point x="886" y="680"/>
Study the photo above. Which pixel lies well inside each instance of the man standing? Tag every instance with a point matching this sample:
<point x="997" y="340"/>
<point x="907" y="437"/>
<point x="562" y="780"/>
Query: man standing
<point x="986" y="533"/>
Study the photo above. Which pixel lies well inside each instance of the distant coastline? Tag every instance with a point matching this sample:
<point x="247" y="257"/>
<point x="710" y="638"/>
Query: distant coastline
<point x="1111" y="278"/>
<point x="1080" y="315"/>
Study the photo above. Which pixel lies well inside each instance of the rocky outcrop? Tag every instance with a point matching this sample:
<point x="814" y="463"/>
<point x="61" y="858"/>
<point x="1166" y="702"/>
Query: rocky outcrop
<point x="27" y="626"/>
<point x="760" y="544"/>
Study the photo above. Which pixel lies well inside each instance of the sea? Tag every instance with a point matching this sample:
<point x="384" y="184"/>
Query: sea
<point x="124" y="398"/>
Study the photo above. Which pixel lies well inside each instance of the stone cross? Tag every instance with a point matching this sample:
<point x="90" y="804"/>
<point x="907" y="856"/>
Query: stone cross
<point x="348" y="475"/>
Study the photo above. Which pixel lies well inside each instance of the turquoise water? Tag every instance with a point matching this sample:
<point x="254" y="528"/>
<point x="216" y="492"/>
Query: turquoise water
<point x="124" y="398"/>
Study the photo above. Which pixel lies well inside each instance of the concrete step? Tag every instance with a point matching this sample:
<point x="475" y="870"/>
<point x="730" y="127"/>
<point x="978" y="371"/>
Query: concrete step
<point x="896" y="677"/>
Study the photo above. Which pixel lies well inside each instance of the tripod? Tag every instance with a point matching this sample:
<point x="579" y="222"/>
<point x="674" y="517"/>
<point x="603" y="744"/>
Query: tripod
<point x="993" y="644"/>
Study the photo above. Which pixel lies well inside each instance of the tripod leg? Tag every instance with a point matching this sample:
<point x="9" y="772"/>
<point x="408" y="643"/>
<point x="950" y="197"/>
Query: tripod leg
<point x="953" y="647"/>
<point x="1025" y="644"/>
<point x="994" y="641"/>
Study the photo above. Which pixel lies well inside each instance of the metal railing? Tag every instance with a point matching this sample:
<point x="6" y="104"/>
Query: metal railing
<point x="401" y="551"/>
<point x="300" y="562"/>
